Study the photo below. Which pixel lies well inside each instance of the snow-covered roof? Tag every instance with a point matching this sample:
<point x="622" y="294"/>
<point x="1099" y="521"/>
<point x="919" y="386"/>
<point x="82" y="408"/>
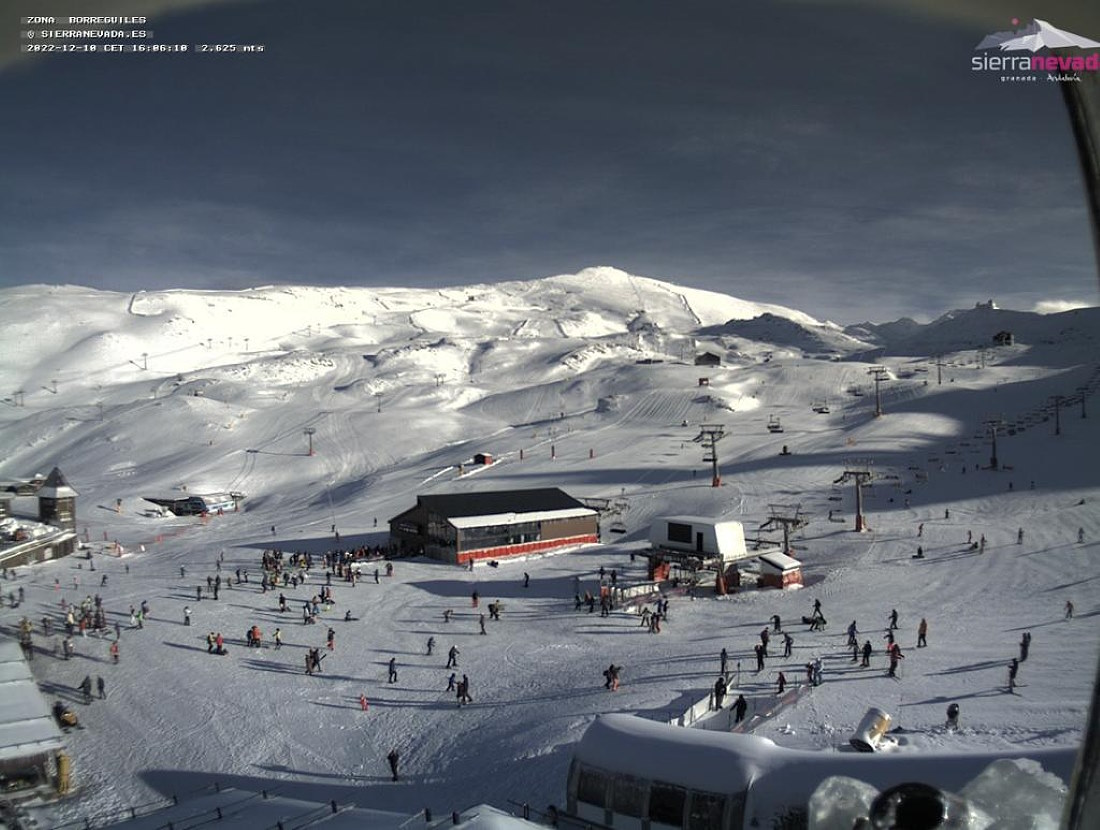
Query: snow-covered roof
<point x="239" y="809"/>
<point x="56" y="487"/>
<point x="462" y="522"/>
<point x="780" y="561"/>
<point x="697" y="520"/>
<point x="26" y="725"/>
<point x="721" y="762"/>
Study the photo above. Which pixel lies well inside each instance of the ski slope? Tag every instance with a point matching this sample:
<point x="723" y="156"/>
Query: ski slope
<point x="403" y="386"/>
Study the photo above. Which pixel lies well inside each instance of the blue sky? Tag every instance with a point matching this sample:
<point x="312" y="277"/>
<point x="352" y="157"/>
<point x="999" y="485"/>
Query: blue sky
<point x="838" y="159"/>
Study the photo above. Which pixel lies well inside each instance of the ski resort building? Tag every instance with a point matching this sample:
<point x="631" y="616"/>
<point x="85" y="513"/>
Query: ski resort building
<point x="53" y="534"/>
<point x="777" y="570"/>
<point x="707" y="359"/>
<point x="31" y="757"/>
<point x="706" y="537"/>
<point x="464" y="527"/>
<point x="200" y="505"/>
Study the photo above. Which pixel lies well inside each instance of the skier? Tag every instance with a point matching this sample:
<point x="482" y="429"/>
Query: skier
<point x="817" y="609"/>
<point x="431" y="645"/>
<point x="187" y="615"/>
<point x="526" y="579"/>
<point x="393" y="670"/>
<point x="776" y="622"/>
<point x="198" y="593"/>
<point x="278" y="636"/>
<point x="1020" y="536"/>
<point x="788" y="644"/>
<point x="363" y="705"/>
<point x="759" y="649"/>
<point x="922" y="633"/>
<point x="739" y="707"/>
<point x="723" y="663"/>
<point x="608" y="674"/>
<point x="465" y="687"/>
<point x="331" y="640"/>
<point x="719" y="692"/>
<point x="1013" y="667"/>
<point x="920" y="530"/>
<point x="451" y="682"/>
<point x="866" y="655"/>
<point x="481" y="622"/>
<point x="114" y="652"/>
<point x="852" y="632"/>
<point x="764" y="640"/>
<point x="474" y="599"/>
<point x="817" y="671"/>
<point x="1069" y="609"/>
<point x="101" y="687"/>
<point x="782" y="683"/>
<point x="895" y="655"/>
<point x="393" y="758"/>
<point x="86" y="687"/>
<point x="1080" y="536"/>
<point x="1025" y="645"/>
<point x="893" y="619"/>
<point x="452" y="658"/>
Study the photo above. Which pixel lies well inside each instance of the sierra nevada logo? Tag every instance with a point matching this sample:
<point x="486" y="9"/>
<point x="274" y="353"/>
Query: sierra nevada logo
<point x="1036" y="36"/>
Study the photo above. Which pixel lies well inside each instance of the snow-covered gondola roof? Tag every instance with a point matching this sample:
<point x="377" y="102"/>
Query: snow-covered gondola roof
<point x="26" y="725"/>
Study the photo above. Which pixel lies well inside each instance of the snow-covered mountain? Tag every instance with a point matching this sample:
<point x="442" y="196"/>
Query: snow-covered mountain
<point x="975" y="328"/>
<point x="583" y="382"/>
<point x="1039" y="34"/>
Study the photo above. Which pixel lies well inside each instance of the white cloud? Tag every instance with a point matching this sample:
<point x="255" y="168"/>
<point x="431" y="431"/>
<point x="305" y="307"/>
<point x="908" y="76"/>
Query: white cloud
<point x="1056" y="306"/>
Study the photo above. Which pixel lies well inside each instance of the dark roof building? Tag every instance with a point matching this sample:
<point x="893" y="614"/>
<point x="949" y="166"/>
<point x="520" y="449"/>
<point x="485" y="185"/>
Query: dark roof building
<point x="53" y="534"/>
<point x="462" y="527"/>
<point x="707" y="359"/>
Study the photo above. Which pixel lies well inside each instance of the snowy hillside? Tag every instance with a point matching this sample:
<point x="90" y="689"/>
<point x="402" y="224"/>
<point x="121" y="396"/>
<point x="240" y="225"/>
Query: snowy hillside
<point x="974" y="328"/>
<point x="582" y="382"/>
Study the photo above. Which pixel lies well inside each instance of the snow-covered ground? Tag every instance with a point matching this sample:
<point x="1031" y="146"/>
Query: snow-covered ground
<point x="144" y="395"/>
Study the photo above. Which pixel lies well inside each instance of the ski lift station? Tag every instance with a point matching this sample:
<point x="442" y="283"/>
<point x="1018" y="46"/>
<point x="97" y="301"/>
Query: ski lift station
<point x="707" y="537"/>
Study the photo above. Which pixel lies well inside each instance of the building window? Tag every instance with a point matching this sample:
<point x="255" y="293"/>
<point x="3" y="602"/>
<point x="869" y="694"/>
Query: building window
<point x="706" y="811"/>
<point x="495" y="536"/>
<point x="628" y="796"/>
<point x="679" y="533"/>
<point x="592" y="787"/>
<point x="666" y="804"/>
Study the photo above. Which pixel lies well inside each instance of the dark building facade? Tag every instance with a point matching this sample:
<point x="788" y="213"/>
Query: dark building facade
<point x="461" y="527"/>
